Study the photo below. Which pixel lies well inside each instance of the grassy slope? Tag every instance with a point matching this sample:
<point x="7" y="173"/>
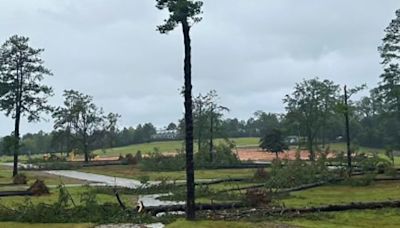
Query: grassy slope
<point x="166" y="146"/>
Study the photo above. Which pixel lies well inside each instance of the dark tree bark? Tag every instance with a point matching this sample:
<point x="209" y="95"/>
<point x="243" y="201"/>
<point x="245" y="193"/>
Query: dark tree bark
<point x="190" y="201"/>
<point x="86" y="149"/>
<point x="17" y="119"/>
<point x="346" y="114"/>
<point x="211" y="134"/>
<point x="199" y="127"/>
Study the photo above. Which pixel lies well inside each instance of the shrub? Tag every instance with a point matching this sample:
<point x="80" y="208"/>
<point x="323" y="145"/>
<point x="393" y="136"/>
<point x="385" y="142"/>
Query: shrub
<point x="144" y="180"/>
<point x="288" y="174"/>
<point x="261" y="174"/>
<point x="391" y="171"/>
<point x="158" y="162"/>
<point x="373" y="164"/>
<point x="54" y="157"/>
<point x="138" y="156"/>
<point x="223" y="156"/>
<point x="364" y="180"/>
<point x="130" y="159"/>
<point x="20" y="178"/>
<point x="39" y="188"/>
<point x="258" y="197"/>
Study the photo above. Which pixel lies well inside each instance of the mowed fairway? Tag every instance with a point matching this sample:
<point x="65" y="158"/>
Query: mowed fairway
<point x="167" y="146"/>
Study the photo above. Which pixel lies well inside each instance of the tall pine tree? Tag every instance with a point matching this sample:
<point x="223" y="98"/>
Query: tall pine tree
<point x="185" y="12"/>
<point x="389" y="87"/>
<point x="22" y="94"/>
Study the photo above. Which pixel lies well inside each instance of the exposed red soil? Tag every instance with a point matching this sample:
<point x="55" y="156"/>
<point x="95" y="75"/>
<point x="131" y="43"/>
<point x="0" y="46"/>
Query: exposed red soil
<point x="255" y="154"/>
<point x="244" y="154"/>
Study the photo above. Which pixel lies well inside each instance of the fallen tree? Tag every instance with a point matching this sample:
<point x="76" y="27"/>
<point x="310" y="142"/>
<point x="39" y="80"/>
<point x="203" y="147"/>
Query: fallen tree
<point x="172" y="208"/>
<point x="219" y="181"/>
<point x="275" y="210"/>
<point x="284" y="190"/>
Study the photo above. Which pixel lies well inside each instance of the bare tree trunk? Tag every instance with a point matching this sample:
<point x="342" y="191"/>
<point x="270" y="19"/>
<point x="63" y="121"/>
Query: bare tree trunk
<point x="85" y="148"/>
<point x="211" y="134"/>
<point x="310" y="147"/>
<point x="190" y="200"/>
<point x="18" y="106"/>
<point x="16" y="143"/>
<point x="199" y="128"/>
<point x="346" y="114"/>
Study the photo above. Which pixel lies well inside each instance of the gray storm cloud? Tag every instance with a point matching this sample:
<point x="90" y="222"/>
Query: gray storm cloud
<point x="251" y="52"/>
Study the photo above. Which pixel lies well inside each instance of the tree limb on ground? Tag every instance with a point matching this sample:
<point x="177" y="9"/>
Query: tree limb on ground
<point x="276" y="210"/>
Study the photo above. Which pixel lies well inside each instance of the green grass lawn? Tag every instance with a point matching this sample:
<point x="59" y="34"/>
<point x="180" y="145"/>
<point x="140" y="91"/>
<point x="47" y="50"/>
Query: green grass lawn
<point x="341" y="194"/>
<point x="384" y="218"/>
<point x="134" y="172"/>
<point x="219" y="224"/>
<point x="76" y="192"/>
<point x="167" y="146"/>
<point x="6" y="177"/>
<point x="41" y="225"/>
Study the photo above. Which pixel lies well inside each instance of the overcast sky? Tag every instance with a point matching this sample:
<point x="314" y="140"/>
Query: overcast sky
<point x="251" y="52"/>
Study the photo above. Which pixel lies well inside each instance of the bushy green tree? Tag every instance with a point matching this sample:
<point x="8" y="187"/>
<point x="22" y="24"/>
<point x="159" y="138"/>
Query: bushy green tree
<point x="311" y="102"/>
<point x="389" y="87"/>
<point x="82" y="115"/>
<point x="273" y="141"/>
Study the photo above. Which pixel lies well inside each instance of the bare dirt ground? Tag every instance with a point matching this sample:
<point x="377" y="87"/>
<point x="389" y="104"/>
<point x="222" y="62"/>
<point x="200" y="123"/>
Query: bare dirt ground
<point x="255" y="154"/>
<point x="244" y="154"/>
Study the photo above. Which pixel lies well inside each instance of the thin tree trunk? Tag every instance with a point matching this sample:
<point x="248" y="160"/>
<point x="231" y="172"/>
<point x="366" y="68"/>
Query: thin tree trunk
<point x="190" y="201"/>
<point x="18" y="106"/>
<point x="211" y="134"/>
<point x="199" y="130"/>
<point x="85" y="148"/>
<point x="310" y="147"/>
<point x="346" y="114"/>
<point x="16" y="145"/>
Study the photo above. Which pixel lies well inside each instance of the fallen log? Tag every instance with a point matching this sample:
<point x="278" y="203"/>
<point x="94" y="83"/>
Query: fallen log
<point x="121" y="204"/>
<point x="218" y="181"/>
<point x="276" y="210"/>
<point x="284" y="190"/>
<point x="171" y="208"/>
<point x="302" y="187"/>
<point x="15" y="193"/>
<point x="337" y="207"/>
<point x="387" y="179"/>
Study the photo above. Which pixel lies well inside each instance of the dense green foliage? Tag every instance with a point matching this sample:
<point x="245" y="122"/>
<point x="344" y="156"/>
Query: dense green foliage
<point x="273" y="142"/>
<point x="224" y="156"/>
